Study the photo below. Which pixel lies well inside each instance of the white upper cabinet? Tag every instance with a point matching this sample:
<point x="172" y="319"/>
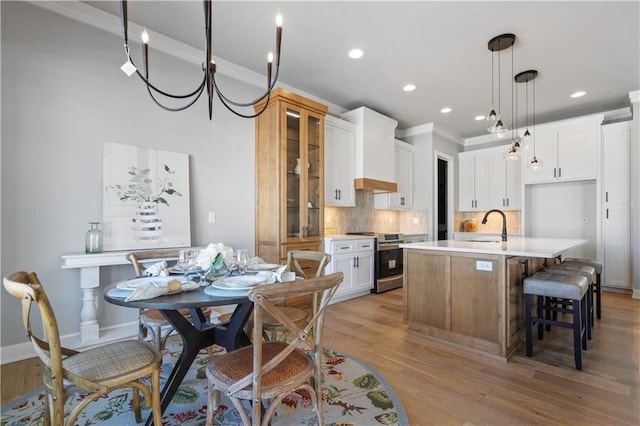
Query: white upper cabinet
<point x="473" y="181"/>
<point x="568" y="151"/>
<point x="403" y="198"/>
<point x="505" y="179"/>
<point x="340" y="162"/>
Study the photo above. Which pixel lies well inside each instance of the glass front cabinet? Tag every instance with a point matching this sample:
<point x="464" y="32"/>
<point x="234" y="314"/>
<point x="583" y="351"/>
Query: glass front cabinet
<point x="289" y="176"/>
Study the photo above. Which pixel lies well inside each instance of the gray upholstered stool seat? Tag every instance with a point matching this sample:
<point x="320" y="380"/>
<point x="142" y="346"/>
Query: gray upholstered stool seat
<point x="549" y="286"/>
<point x="597" y="286"/>
<point x="589" y="273"/>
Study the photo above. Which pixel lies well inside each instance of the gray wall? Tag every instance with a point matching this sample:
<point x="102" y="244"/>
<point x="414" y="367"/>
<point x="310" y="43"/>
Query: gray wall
<point x="63" y="96"/>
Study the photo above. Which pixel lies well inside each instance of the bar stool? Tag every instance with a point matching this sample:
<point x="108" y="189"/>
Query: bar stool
<point x="597" y="265"/>
<point x="589" y="273"/>
<point x="547" y="285"/>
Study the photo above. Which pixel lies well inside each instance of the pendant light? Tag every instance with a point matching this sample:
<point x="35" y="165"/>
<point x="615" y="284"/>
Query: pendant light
<point x="513" y="153"/>
<point x="495" y="124"/>
<point x="526" y="77"/>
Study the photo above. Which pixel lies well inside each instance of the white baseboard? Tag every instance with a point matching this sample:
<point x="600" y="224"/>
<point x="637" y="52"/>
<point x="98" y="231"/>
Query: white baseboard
<point x="636" y="293"/>
<point x="115" y="333"/>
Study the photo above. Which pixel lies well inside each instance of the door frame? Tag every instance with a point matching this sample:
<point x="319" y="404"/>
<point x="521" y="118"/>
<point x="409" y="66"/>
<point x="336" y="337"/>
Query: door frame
<point x="437" y="155"/>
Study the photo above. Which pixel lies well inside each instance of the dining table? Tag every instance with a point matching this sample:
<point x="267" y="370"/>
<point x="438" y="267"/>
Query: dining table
<point x="197" y="334"/>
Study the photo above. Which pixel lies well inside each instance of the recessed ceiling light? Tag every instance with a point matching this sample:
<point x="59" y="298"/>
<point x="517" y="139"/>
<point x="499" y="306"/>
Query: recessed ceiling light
<point x="409" y="88"/>
<point x="578" y="94"/>
<point x="479" y="117"/>
<point x="356" y="53"/>
<point x="445" y="110"/>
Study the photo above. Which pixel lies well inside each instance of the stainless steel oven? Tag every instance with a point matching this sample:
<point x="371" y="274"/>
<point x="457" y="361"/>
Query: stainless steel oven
<point x="388" y="262"/>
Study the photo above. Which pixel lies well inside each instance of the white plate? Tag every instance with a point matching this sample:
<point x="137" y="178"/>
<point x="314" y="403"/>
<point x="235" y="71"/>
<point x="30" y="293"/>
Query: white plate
<point x="136" y="282"/>
<point x="211" y="291"/>
<point x="263" y="267"/>
<point x="175" y="269"/>
<point x="243" y="281"/>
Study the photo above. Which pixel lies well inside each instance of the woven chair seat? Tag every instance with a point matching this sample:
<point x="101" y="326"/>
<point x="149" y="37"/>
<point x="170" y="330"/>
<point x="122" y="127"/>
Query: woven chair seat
<point x="230" y="368"/>
<point x="112" y="362"/>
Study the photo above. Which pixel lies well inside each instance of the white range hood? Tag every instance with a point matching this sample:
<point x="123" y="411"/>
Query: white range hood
<point x="375" y="150"/>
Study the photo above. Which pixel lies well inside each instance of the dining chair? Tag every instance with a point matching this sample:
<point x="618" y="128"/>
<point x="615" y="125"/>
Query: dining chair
<point x="96" y="371"/>
<point x="267" y="371"/>
<point x="305" y="264"/>
<point x="152" y="320"/>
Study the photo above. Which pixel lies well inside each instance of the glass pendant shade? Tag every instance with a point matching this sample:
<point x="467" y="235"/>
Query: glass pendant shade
<point x="512" y="154"/>
<point x="492" y="120"/>
<point x="534" y="164"/>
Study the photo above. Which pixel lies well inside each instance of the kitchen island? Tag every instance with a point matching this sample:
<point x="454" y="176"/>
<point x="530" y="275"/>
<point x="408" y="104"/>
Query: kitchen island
<point x="469" y="293"/>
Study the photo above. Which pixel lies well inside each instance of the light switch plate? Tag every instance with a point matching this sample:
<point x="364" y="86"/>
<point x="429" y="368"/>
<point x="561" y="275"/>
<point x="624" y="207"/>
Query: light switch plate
<point x="484" y="266"/>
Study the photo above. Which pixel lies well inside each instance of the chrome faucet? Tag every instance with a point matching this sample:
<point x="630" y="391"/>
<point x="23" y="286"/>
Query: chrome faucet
<point x="504" y="222"/>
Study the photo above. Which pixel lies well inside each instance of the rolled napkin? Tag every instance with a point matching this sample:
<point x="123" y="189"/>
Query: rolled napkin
<point x="158" y="269"/>
<point x="278" y="273"/>
<point x="152" y="289"/>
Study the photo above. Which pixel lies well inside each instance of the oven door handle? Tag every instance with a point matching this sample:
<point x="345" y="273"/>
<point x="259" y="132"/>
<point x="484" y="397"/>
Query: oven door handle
<point x="389" y="246"/>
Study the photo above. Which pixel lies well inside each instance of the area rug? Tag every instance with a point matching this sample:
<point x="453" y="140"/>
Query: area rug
<point x="353" y="394"/>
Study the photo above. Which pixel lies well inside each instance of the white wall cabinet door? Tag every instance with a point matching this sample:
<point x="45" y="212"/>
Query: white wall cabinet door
<point x="616" y="154"/>
<point x="504" y="182"/>
<point x="363" y="275"/>
<point x="545" y="151"/>
<point x="340" y="146"/>
<point x="403" y="199"/>
<point x="473" y="181"/>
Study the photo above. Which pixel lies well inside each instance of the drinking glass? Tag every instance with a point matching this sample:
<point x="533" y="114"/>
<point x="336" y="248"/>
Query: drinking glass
<point x="187" y="260"/>
<point x="242" y="259"/>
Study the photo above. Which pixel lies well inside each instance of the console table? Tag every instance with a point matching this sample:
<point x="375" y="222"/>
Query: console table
<point x="89" y="265"/>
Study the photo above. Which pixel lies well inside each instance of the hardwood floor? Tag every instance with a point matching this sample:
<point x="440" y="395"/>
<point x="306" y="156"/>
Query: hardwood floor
<point x="443" y="386"/>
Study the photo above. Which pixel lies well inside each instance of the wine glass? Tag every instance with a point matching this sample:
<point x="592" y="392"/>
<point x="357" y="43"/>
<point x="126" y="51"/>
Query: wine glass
<point x="242" y="259"/>
<point x="187" y="260"/>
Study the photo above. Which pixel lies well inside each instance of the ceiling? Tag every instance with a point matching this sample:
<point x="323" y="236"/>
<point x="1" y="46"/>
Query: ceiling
<point x="441" y="47"/>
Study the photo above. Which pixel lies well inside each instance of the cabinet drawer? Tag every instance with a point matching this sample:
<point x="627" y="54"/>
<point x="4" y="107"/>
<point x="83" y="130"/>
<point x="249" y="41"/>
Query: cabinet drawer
<point x="342" y="247"/>
<point x="364" y="245"/>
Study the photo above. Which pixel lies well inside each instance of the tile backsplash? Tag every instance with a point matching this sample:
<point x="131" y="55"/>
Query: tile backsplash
<point x="364" y="218"/>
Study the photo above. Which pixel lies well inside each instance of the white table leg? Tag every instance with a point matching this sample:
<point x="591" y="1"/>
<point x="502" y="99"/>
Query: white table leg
<point x="89" y="282"/>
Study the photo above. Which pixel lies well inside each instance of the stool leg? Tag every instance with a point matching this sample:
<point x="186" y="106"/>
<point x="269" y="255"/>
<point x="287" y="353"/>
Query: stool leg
<point x="577" y="325"/>
<point x="529" y="324"/>
<point x="586" y="321"/>
<point x="589" y="312"/>
<point x="599" y="296"/>
<point x="541" y="302"/>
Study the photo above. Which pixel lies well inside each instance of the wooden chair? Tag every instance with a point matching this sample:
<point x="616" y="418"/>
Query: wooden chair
<point x="305" y="264"/>
<point x="96" y="371"/>
<point x="152" y="320"/>
<point x="267" y="370"/>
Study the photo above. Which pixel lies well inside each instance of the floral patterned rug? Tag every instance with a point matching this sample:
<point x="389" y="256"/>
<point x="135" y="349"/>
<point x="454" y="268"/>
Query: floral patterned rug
<point x="353" y="394"/>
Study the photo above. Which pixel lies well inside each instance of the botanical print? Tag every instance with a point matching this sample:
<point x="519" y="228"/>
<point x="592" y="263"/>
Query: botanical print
<point x="145" y="198"/>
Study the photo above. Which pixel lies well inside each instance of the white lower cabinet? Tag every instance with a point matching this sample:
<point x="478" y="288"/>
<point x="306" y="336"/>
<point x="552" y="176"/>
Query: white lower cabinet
<point x="355" y="259"/>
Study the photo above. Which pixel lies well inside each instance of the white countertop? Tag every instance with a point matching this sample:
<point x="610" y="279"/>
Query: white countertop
<point x="348" y="237"/>
<point x="515" y="246"/>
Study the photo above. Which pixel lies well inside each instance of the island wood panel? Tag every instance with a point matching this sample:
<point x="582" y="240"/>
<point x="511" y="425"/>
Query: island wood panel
<point x="476" y="298"/>
<point x="428" y="298"/>
<point x="517" y="267"/>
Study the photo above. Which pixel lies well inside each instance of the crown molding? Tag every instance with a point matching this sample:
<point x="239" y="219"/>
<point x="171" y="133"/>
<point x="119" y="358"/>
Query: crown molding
<point x="430" y="128"/>
<point x="634" y="97"/>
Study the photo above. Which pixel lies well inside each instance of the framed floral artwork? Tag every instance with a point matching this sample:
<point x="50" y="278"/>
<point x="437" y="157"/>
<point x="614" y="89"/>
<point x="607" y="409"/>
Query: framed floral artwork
<point x="146" y="198"/>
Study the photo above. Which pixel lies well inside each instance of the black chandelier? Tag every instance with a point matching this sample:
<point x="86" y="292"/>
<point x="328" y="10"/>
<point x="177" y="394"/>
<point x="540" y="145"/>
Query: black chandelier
<point x="208" y="67"/>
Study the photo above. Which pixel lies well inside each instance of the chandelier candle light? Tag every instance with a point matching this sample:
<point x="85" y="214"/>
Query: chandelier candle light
<point x="495" y="124"/>
<point x="208" y="67"/>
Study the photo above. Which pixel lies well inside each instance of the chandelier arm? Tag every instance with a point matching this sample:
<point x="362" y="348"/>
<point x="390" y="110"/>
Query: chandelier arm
<point x="244" y="104"/>
<point x="227" y="106"/>
<point x="169" y="95"/>
<point x="176" y="109"/>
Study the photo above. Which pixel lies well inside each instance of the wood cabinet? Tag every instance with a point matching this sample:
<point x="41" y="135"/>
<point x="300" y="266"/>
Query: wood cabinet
<point x="473" y="181"/>
<point x="403" y="198"/>
<point x="354" y="258"/>
<point x="616" y="154"/>
<point x="568" y="152"/>
<point x="340" y="162"/>
<point x="473" y="300"/>
<point x="289" y="175"/>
